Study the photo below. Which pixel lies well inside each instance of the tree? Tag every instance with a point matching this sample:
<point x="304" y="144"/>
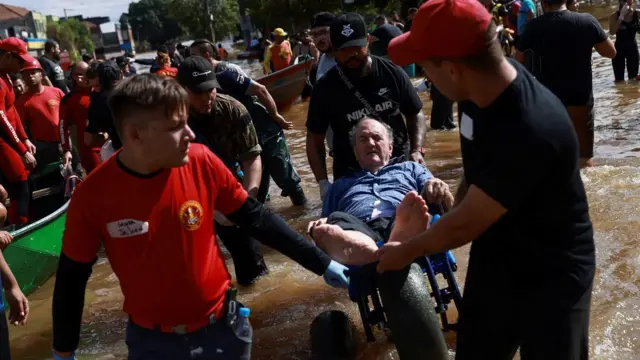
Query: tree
<point x="151" y="21"/>
<point x="72" y="35"/>
<point x="193" y="14"/>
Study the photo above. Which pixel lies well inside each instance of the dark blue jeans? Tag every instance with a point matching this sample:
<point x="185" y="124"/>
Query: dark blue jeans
<point x="4" y="336"/>
<point x="217" y="341"/>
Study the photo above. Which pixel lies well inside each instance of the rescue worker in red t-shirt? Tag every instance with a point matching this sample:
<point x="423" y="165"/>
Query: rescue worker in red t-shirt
<point x="74" y="111"/>
<point x="39" y="110"/>
<point x="164" y="66"/>
<point x="151" y="206"/>
<point x="16" y="151"/>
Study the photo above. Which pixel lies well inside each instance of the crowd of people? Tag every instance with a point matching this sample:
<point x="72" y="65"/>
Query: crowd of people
<point x="195" y="143"/>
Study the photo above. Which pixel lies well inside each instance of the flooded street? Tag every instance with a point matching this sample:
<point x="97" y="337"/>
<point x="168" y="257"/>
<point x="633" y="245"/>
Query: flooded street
<point x="284" y="304"/>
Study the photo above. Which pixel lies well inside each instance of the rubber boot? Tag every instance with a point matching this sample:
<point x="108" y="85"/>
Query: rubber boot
<point x="297" y="197"/>
<point x="411" y="316"/>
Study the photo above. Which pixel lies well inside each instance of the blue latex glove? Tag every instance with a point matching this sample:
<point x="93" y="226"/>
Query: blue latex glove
<point x="335" y="275"/>
<point x="58" y="357"/>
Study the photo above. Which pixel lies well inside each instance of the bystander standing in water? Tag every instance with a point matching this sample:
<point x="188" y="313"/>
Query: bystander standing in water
<point x="625" y="23"/>
<point x="563" y="63"/>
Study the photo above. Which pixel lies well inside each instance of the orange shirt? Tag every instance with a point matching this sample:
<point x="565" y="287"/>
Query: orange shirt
<point x="167" y="71"/>
<point x="158" y="233"/>
<point x="280" y="55"/>
<point x="40" y="113"/>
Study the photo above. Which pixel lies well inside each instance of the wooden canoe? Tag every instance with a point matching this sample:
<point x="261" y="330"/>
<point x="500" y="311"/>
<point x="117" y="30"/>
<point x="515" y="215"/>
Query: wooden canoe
<point x="287" y="84"/>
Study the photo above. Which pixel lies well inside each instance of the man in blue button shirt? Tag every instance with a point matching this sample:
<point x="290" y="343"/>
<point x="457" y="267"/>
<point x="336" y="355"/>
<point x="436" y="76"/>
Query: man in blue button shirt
<point x="359" y="211"/>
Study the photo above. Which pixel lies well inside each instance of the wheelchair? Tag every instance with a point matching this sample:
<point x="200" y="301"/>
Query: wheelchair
<point x="363" y="289"/>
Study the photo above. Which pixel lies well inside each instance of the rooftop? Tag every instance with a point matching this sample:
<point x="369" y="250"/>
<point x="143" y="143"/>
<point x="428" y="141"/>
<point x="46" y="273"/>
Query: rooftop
<point x="10" y="12"/>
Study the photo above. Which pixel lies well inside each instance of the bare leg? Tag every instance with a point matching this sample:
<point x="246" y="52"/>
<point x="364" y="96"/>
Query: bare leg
<point x="345" y="246"/>
<point x="412" y="217"/>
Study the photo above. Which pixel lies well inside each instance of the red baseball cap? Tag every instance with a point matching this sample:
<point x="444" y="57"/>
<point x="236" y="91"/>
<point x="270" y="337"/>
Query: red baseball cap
<point x="33" y="64"/>
<point x="16" y="46"/>
<point x="442" y="29"/>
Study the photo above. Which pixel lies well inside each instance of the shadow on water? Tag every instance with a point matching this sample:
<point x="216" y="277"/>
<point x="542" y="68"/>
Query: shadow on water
<point x="285" y="302"/>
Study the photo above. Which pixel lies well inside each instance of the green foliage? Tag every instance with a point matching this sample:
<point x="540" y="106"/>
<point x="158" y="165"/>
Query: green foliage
<point x="152" y="21"/>
<point x="193" y="15"/>
<point x="72" y="36"/>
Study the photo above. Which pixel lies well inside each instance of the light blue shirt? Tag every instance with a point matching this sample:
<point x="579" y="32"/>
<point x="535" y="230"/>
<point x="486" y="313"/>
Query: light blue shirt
<point x="325" y="63"/>
<point x="523" y="15"/>
<point x="368" y="196"/>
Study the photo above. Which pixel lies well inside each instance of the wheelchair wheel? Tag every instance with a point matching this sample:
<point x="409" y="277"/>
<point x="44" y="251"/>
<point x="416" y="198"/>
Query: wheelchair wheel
<point x="411" y="317"/>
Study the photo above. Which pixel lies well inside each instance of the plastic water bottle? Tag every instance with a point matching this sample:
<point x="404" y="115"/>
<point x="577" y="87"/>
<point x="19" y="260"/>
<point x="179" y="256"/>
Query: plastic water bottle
<point x="242" y="328"/>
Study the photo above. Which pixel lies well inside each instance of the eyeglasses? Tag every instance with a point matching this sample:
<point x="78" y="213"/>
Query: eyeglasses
<point x="318" y="33"/>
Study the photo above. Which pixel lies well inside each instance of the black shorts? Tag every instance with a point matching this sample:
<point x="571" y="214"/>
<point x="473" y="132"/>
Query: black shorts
<point x="546" y="321"/>
<point x="378" y="229"/>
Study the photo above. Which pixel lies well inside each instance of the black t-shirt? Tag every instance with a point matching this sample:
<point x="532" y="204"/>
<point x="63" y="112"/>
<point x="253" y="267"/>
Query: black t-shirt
<point x="560" y="45"/>
<point x="54" y="72"/>
<point x="387" y="89"/>
<point x="100" y="119"/>
<point x="522" y="151"/>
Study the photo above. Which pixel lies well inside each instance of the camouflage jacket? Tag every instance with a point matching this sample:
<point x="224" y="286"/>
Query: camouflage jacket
<point x="228" y="131"/>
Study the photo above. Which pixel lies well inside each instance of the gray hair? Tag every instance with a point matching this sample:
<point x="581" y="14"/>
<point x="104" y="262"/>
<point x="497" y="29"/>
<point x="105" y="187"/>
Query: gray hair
<point x="352" y="132"/>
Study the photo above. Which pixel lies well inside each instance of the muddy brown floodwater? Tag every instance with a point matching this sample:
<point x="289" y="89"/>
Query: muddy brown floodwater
<point x="285" y="302"/>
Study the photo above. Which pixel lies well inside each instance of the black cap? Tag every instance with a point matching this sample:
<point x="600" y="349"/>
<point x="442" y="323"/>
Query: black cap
<point x="196" y="74"/>
<point x="385" y="32"/>
<point x="322" y="19"/>
<point x="348" y="30"/>
<point x="108" y="72"/>
<point x="163" y="49"/>
<point x="122" y="61"/>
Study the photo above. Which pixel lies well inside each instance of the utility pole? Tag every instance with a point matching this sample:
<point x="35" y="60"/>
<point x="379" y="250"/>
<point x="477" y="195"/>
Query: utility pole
<point x="209" y="20"/>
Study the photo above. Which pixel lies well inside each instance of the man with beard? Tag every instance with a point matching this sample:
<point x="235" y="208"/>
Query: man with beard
<point x="224" y="125"/>
<point x="74" y="112"/>
<point x="39" y="110"/>
<point x="364" y="85"/>
<point x="51" y="67"/>
<point x="269" y="124"/>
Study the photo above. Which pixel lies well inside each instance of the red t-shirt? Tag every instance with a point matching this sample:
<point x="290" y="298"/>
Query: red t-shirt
<point x="12" y="130"/>
<point x="74" y="111"/>
<point x="40" y="113"/>
<point x="158" y="234"/>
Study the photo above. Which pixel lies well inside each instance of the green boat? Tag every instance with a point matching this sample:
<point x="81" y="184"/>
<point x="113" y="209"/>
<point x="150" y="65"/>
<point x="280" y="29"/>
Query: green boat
<point x="33" y="254"/>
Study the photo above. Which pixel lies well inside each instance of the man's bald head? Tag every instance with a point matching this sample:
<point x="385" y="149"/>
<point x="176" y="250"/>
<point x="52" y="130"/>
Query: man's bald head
<point x="78" y="74"/>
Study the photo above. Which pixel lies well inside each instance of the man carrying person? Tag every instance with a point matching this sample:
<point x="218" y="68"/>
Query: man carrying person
<point x="152" y="206"/>
<point x="16" y="151"/>
<point x="269" y="124"/>
<point x="74" y="113"/>
<point x="224" y="126"/>
<point x="520" y="154"/>
<point x="550" y="55"/>
<point x="365" y="85"/>
<point x="39" y="111"/>
<point x="50" y="62"/>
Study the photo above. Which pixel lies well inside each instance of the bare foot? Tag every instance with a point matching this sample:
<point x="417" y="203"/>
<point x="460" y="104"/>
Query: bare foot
<point x="412" y="218"/>
<point x="345" y="247"/>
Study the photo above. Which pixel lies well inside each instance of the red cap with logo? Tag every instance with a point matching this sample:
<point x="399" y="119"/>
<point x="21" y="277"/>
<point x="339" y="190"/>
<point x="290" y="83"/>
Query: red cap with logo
<point x="16" y="46"/>
<point x="33" y="64"/>
<point x="442" y="29"/>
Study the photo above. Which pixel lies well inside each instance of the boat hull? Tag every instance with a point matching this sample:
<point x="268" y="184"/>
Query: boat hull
<point x="33" y="255"/>
<point x="286" y="85"/>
